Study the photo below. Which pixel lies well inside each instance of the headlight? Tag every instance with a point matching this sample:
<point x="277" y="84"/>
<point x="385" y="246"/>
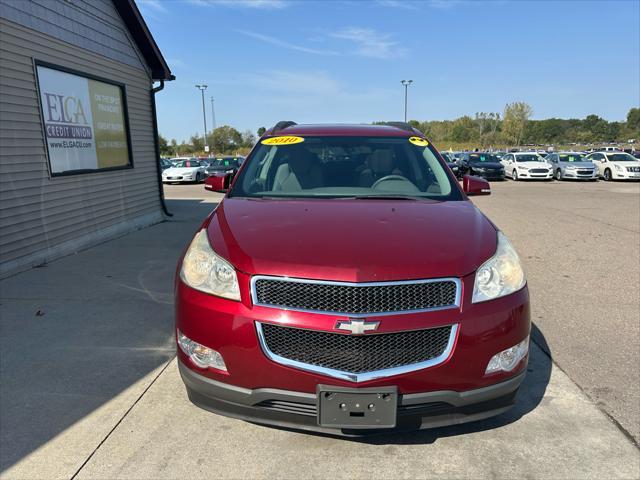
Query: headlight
<point x="203" y="270"/>
<point x="501" y="275"/>
<point x="520" y="167"/>
<point x="618" y="168"/>
<point x="508" y="359"/>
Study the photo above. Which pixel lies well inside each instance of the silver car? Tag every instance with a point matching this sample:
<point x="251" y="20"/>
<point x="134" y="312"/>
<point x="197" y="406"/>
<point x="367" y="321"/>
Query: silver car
<point x="572" y="165"/>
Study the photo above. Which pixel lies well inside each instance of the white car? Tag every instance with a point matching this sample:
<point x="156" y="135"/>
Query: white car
<point x="185" y="169"/>
<point x="526" y="166"/>
<point x="616" y="165"/>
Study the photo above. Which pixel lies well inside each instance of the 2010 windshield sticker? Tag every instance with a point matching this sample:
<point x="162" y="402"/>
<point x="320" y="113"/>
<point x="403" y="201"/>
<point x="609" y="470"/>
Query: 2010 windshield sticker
<point x="421" y="142"/>
<point x="286" y="140"/>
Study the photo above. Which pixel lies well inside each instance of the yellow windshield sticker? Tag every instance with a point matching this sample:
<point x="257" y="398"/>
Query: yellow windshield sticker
<point x="421" y="142"/>
<point x="286" y="140"/>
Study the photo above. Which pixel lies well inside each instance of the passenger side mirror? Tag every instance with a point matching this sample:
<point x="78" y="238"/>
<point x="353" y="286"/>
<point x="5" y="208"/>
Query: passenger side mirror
<point x="218" y="184"/>
<point x="475" y="186"/>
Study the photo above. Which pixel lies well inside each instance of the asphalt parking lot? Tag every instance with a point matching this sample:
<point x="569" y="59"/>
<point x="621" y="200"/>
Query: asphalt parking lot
<point x="578" y="411"/>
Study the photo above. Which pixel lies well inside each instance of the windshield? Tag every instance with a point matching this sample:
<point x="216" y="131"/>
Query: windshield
<point x="338" y="167"/>
<point x="621" y="157"/>
<point x="571" y="157"/>
<point x="529" y="158"/>
<point x="187" y="164"/>
<point x="482" y="157"/>
<point x="224" y="162"/>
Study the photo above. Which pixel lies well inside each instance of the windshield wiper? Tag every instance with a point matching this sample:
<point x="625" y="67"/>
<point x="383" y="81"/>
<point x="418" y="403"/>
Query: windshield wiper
<point x="386" y="197"/>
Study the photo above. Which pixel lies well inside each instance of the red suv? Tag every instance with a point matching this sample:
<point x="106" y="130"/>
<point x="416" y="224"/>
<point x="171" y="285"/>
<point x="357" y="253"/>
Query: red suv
<point x="345" y="284"/>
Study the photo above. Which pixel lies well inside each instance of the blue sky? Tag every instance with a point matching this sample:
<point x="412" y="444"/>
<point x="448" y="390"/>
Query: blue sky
<point x="342" y="61"/>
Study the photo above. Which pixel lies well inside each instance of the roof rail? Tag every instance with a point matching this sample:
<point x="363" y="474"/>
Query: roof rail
<point x="281" y="125"/>
<point x="403" y="126"/>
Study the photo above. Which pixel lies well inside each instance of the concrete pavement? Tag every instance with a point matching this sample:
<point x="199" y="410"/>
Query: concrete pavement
<point x="100" y="396"/>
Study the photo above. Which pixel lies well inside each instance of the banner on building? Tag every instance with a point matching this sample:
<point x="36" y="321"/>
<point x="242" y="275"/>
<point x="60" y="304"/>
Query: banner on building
<point x="84" y="121"/>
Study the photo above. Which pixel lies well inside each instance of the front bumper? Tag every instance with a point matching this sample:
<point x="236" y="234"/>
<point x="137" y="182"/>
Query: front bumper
<point x="298" y="410"/>
<point x="490" y="175"/>
<point x="576" y="175"/>
<point x="527" y="175"/>
<point x="625" y="175"/>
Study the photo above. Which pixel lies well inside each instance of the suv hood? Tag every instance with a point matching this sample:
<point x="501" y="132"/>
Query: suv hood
<point x="352" y="240"/>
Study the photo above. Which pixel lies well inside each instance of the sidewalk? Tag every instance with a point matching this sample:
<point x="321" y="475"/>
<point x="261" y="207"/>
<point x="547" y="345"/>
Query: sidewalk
<point x="89" y="389"/>
<point x="80" y="341"/>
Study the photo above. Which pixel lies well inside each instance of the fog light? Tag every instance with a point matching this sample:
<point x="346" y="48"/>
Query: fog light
<point x="508" y="359"/>
<point x="203" y="357"/>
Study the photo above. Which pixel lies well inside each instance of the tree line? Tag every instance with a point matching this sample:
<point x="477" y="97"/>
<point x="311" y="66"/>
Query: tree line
<point x="511" y="127"/>
<point x="514" y="127"/>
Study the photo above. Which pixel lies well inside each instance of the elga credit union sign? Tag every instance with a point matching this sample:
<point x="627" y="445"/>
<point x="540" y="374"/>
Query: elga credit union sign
<point x="84" y="122"/>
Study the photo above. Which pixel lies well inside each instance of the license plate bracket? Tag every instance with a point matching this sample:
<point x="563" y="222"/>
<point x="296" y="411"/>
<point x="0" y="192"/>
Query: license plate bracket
<point x="357" y="408"/>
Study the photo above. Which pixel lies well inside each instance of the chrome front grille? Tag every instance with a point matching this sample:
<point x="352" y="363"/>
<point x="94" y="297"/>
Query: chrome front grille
<point x="633" y="169"/>
<point x="355" y="299"/>
<point x="356" y="357"/>
<point x="538" y="170"/>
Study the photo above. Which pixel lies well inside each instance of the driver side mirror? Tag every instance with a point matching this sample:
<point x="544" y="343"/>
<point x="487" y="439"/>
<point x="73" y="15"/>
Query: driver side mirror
<point x="218" y="184"/>
<point x="475" y="186"/>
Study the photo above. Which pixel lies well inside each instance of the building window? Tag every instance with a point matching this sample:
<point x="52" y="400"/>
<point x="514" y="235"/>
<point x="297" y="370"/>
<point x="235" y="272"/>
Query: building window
<point x="84" y="120"/>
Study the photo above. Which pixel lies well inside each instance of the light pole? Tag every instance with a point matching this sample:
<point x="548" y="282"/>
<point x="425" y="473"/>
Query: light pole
<point x="202" y="88"/>
<point x="213" y="116"/>
<point x="406" y="84"/>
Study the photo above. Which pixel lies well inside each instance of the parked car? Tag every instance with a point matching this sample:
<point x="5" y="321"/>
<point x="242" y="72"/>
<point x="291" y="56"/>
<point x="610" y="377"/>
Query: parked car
<point x="525" y="166"/>
<point x="451" y="163"/>
<point x="485" y="165"/>
<point x="320" y="295"/>
<point x="573" y="166"/>
<point x="184" y="169"/>
<point x="164" y="164"/>
<point x="616" y="165"/>
<point x="224" y="165"/>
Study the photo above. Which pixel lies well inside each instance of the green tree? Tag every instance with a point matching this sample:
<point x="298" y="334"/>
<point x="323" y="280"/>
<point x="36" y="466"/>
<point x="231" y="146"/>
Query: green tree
<point x="248" y="139"/>
<point x="261" y="131"/>
<point x="197" y="144"/>
<point x="633" y="119"/>
<point x="165" y="150"/>
<point x="226" y="139"/>
<point x="515" y="118"/>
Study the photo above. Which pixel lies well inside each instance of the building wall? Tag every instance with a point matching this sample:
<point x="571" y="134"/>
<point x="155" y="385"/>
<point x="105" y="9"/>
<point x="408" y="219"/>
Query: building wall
<point x="42" y="218"/>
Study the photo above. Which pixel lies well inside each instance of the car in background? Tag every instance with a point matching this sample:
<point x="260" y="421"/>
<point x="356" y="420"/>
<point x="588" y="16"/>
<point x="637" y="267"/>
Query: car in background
<point x="616" y="165"/>
<point x="222" y="165"/>
<point x="481" y="164"/>
<point x="526" y="166"/>
<point x="572" y="166"/>
<point x="165" y="163"/>
<point x="451" y="163"/>
<point x="184" y="169"/>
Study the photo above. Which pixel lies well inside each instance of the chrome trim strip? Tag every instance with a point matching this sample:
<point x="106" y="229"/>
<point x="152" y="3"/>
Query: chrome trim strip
<point x="359" y="377"/>
<point x="254" y="295"/>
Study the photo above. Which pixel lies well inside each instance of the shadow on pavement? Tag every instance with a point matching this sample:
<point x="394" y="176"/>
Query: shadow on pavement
<point x="77" y="333"/>
<point x="529" y="397"/>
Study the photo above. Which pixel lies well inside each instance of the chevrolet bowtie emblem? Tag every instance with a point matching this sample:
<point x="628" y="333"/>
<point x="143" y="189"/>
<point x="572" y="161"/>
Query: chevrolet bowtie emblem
<point x="357" y="327"/>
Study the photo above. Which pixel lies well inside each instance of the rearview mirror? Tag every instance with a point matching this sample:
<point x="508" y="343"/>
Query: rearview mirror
<point x="475" y="186"/>
<point x="217" y="184"/>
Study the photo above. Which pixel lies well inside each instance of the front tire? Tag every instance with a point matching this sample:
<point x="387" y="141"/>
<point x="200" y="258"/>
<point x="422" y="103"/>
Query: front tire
<point x="558" y="174"/>
<point x="514" y="175"/>
<point x="607" y="175"/>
